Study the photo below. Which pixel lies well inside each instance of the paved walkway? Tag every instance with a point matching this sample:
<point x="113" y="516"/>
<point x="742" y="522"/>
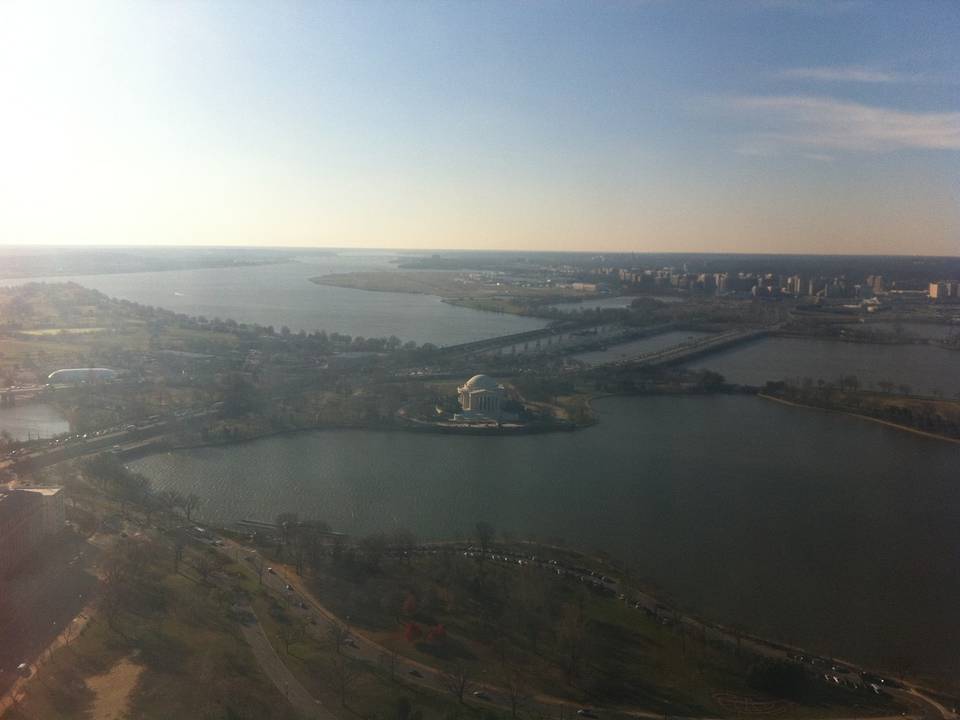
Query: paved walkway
<point x="303" y="702"/>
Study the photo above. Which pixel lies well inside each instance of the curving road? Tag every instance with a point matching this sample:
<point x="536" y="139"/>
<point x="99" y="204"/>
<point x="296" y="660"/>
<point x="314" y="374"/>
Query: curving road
<point x="278" y="672"/>
<point x="362" y="648"/>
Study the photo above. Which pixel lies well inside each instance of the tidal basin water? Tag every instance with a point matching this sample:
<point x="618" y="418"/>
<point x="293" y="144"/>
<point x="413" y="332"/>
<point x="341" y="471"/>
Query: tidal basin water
<point x="828" y="531"/>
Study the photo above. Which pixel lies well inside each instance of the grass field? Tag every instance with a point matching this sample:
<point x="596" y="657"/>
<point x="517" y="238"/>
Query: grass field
<point x="372" y="693"/>
<point x="500" y="618"/>
<point x="180" y="630"/>
<point x="46" y="327"/>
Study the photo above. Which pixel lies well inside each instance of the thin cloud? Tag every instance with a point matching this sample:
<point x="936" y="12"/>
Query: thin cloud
<point x="845" y="74"/>
<point x="808" y="123"/>
<point x="812" y="7"/>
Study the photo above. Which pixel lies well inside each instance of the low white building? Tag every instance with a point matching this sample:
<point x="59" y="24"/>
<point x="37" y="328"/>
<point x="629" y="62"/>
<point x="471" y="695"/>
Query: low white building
<point x="81" y="375"/>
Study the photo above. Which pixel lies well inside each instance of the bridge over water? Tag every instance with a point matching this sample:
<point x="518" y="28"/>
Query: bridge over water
<point x="552" y="338"/>
<point x="686" y="351"/>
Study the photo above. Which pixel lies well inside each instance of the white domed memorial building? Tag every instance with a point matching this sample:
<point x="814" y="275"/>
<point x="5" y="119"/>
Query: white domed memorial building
<point x="481" y="398"/>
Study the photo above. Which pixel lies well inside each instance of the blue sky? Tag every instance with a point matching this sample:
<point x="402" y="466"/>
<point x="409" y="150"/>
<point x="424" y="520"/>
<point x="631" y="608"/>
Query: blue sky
<point x="748" y="125"/>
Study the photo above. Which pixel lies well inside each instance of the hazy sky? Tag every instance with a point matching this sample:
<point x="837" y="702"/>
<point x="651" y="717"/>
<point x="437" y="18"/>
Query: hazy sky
<point x="766" y="125"/>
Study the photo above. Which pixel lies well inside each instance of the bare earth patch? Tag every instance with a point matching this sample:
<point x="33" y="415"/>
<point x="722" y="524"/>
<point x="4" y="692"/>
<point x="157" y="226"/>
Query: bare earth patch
<point x="112" y="690"/>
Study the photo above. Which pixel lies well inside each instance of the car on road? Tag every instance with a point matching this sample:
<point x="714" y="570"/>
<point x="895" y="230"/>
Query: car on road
<point x="23" y="669"/>
<point x="271" y="571"/>
<point x="416" y="673"/>
<point x="586" y="712"/>
<point x="480" y="695"/>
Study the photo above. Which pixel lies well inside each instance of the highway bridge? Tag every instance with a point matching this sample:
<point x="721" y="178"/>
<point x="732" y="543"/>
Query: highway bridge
<point x="689" y="350"/>
<point x="550" y="339"/>
<point x="125" y="443"/>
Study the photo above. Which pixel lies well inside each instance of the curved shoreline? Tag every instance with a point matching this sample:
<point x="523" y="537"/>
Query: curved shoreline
<point x="490" y="431"/>
<point x="896" y="426"/>
<point x="437" y="430"/>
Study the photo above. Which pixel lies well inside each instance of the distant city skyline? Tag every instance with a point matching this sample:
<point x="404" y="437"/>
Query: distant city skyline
<point x="750" y="126"/>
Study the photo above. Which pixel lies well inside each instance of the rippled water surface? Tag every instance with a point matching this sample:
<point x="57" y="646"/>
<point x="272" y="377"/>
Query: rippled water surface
<point x="821" y="529"/>
<point x="282" y="294"/>
<point x="924" y="368"/>
<point x="32" y="420"/>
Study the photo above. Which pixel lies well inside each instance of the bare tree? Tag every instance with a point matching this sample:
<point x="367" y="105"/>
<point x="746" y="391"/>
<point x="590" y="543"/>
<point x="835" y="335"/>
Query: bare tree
<point x="338" y="634"/>
<point x="345" y="672"/>
<point x="285" y="522"/>
<point x="373" y="548"/>
<point x="170" y="498"/>
<point x="115" y="589"/>
<point x="151" y="504"/>
<point x="485" y="533"/>
<point x="190" y="503"/>
<point x="204" y="567"/>
<point x="572" y="638"/>
<point x="404" y="541"/>
<point x="178" y="545"/>
<point x="516" y="687"/>
<point x="391" y="661"/>
<point x="456" y="680"/>
<point x="289" y="633"/>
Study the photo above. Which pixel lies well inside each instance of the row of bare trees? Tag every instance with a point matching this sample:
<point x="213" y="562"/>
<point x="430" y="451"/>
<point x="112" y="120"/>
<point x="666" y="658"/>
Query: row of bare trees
<point x="108" y="474"/>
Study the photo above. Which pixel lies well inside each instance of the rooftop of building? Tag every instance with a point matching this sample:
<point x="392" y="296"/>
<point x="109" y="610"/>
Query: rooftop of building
<point x="481" y="382"/>
<point x="45" y="490"/>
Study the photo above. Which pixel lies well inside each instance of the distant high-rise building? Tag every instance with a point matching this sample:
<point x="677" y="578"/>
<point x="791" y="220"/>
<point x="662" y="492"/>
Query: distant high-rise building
<point x="796" y="285"/>
<point x="939" y="291"/>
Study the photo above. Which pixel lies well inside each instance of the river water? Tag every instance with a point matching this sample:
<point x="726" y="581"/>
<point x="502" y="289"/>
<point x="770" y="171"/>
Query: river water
<point x="925" y="368"/>
<point x="32" y="420"/>
<point x="820" y="529"/>
<point x="282" y="294"/>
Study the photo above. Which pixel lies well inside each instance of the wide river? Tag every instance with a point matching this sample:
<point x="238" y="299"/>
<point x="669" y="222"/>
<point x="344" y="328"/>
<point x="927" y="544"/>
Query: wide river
<point x="282" y="294"/>
<point x="824" y="530"/>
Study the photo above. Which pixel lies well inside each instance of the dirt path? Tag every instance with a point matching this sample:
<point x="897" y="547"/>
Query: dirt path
<point x="17" y="690"/>
<point x="113" y="689"/>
